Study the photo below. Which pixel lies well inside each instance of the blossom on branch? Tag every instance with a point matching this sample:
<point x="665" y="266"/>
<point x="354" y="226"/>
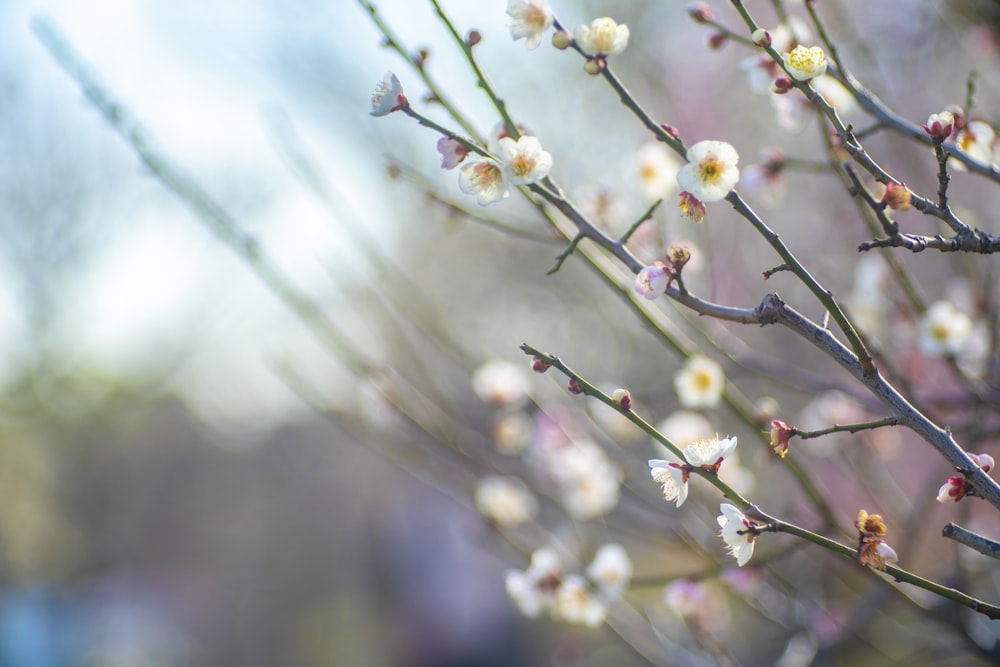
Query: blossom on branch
<point x="691" y="207"/>
<point x="672" y="478"/>
<point x="805" y="63"/>
<point x="709" y="453"/>
<point x="956" y="487"/>
<point x="524" y="162"/>
<point x="976" y="140"/>
<point x="711" y="171"/>
<point x="652" y="280"/>
<point x="576" y="603"/>
<point x="603" y="37"/>
<point x="872" y="550"/>
<point x="453" y="152"/>
<point x="485" y="179"/>
<point x="657" y="169"/>
<point x="388" y="96"/>
<point x="940" y="125"/>
<point x="738" y="532"/>
<point x="534" y="589"/>
<point x="611" y="570"/>
<point x="505" y="500"/>
<point x="529" y="19"/>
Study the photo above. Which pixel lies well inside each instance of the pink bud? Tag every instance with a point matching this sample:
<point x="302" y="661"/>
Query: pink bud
<point x="623" y="398"/>
<point x="952" y="491"/>
<point x="984" y="461"/>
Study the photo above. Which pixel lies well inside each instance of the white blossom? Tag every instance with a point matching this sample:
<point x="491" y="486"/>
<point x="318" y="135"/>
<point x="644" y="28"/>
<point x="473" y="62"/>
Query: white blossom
<point x="651" y="281"/>
<point x="501" y="382"/>
<point x="485" y="179"/>
<point x="670" y="476"/>
<point x="505" y="500"/>
<point x="944" y="329"/>
<point x="805" y="63"/>
<point x="523" y="161"/>
<point x="736" y="534"/>
<point x="575" y="603"/>
<point x="529" y="19"/>
<point x="611" y="570"/>
<point x="699" y="384"/>
<point x="708" y="451"/>
<point x="603" y="37"/>
<point x="711" y="172"/>
<point x="388" y="95"/>
<point x="657" y="167"/>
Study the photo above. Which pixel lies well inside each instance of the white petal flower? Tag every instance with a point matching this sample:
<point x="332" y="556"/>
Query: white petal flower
<point x="590" y="491"/>
<point x="505" y="500"/>
<point x="684" y="427"/>
<point x="670" y="477"/>
<point x="529" y="19"/>
<point x="523" y="160"/>
<point x="576" y="604"/>
<point x="739" y="540"/>
<point x="453" y="153"/>
<point x="611" y="570"/>
<point x="652" y="281"/>
<point x="501" y="382"/>
<point x="529" y="599"/>
<point x="708" y="451"/>
<point x="485" y="179"/>
<point x="711" y="172"/>
<point x="700" y="383"/>
<point x="976" y="140"/>
<point x="944" y="329"/>
<point x="603" y="37"/>
<point x="804" y="63"/>
<point x="388" y="96"/>
<point x="534" y="590"/>
<point x="657" y="169"/>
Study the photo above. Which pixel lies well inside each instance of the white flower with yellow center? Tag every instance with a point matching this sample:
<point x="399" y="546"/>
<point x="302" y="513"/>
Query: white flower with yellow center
<point x="651" y="281"/>
<point x="711" y="172"/>
<point x="611" y="570"/>
<point x="944" y="329"/>
<point x="501" y="382"/>
<point x="505" y="500"/>
<point x="523" y="160"/>
<point x="603" y="37"/>
<point x="534" y="590"/>
<point x="700" y="383"/>
<point x="976" y="140"/>
<point x="529" y="19"/>
<point x="804" y="63"/>
<point x="485" y="179"/>
<point x="388" y="96"/>
<point x="708" y="452"/>
<point x="656" y="167"/>
<point x="736" y="532"/>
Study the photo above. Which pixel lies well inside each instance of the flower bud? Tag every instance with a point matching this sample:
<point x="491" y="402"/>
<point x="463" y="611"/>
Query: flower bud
<point x="782" y="85"/>
<point x="700" y="12"/>
<point x="959" y="115"/>
<point x="623" y="399"/>
<point x="574" y="387"/>
<point x="717" y="41"/>
<point x="761" y="38"/>
<point x="781" y="433"/>
<point x="940" y="125"/>
<point x="474" y="37"/>
<point x="984" y="461"/>
<point x="540" y="365"/>
<point x="952" y="491"/>
<point x="897" y="197"/>
<point x="561" y="39"/>
<point x="594" y="66"/>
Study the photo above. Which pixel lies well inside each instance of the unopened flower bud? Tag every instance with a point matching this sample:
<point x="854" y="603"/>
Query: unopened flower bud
<point x="671" y="130"/>
<point x="594" y="66"/>
<point x="717" y="41"/>
<point x="761" y="38"/>
<point x="897" y="197"/>
<point x="940" y="125"/>
<point x="540" y="365"/>
<point x="561" y="39"/>
<point x="574" y="387"/>
<point x="474" y="37"/>
<point x="782" y="85"/>
<point x="623" y="399"/>
<point x="952" y="491"/>
<point x="700" y="12"/>
<point x="984" y="461"/>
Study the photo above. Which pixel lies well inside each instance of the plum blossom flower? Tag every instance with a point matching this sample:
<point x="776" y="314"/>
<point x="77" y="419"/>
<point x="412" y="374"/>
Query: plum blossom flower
<point x="709" y="453"/>
<point x="711" y="171"/>
<point x="652" y="281"/>
<point x="684" y="427"/>
<point x="944" y="329"/>
<point x="505" y="500"/>
<point x="603" y="37"/>
<point x="872" y="549"/>
<point x="485" y="179"/>
<point x="738" y="532"/>
<point x="657" y="169"/>
<point x="672" y="478"/>
<point x="699" y="384"/>
<point x="805" y="63"/>
<point x="452" y="152"/>
<point x="500" y="382"/>
<point x="691" y="207"/>
<point x="576" y="603"/>
<point x="534" y="590"/>
<point x="589" y="484"/>
<point x="781" y="433"/>
<point x="611" y="570"/>
<point x="940" y="125"/>
<point x="529" y="19"/>
<point x="976" y="140"/>
<point x="388" y="96"/>
<point x="766" y="177"/>
<point x="524" y="161"/>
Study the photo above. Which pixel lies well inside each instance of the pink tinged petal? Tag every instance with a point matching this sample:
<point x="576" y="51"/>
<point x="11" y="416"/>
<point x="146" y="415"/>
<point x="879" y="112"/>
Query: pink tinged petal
<point x="984" y="461"/>
<point x="484" y="179"/>
<point x="452" y="152"/>
<point x="652" y="281"/>
<point x="951" y="491"/>
<point x="388" y="96"/>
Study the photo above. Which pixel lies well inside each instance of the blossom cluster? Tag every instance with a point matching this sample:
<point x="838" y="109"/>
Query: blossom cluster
<point x="546" y="587"/>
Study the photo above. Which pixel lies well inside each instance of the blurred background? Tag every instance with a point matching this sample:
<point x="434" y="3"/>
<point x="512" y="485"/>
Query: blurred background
<point x="189" y="477"/>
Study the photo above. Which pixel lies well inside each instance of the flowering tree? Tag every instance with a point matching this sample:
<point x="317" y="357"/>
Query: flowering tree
<point x="809" y="552"/>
